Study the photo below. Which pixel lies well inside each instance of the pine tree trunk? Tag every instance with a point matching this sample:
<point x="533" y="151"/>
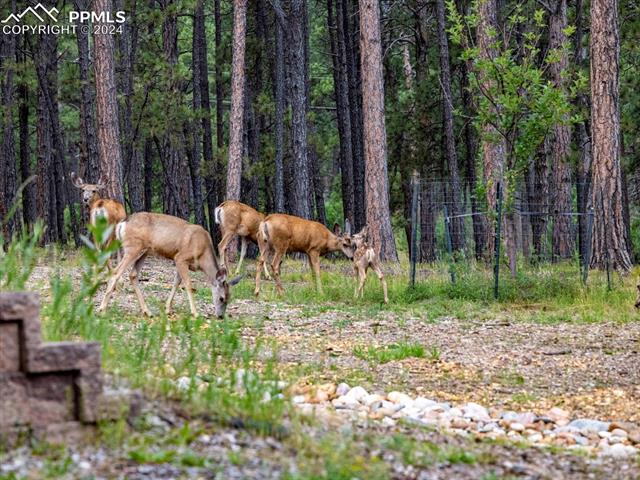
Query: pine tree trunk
<point x="341" y="94"/>
<point x="610" y="240"/>
<point x="148" y="174"/>
<point x="219" y="181"/>
<point x="561" y="204"/>
<point x="279" y="120"/>
<point x="28" y="194"/>
<point x="196" y="126"/>
<point x="457" y="225"/>
<point x="108" y="130"/>
<point x="234" y="165"/>
<point x="493" y="151"/>
<point x="8" y="183"/>
<point x="89" y="161"/>
<point x="375" y="135"/>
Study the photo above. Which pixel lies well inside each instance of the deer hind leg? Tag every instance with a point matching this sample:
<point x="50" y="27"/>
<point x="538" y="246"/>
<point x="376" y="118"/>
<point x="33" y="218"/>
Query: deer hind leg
<point x="378" y="270"/>
<point x="362" y="278"/>
<point x="183" y="271"/>
<point x="129" y="258"/>
<point x="262" y="262"/>
<point x="133" y="277"/>
<point x="355" y="274"/>
<point x="176" y="283"/>
<point x="222" y="248"/>
<point x="276" y="261"/>
<point x="243" y="252"/>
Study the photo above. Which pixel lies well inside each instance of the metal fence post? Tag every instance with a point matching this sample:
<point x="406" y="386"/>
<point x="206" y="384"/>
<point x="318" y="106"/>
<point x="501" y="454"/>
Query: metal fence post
<point x="496" y="268"/>
<point x="587" y="247"/>
<point x="414" y="227"/>
<point x="447" y="230"/>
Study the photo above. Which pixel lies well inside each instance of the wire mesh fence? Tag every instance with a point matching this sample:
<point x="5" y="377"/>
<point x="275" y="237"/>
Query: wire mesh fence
<point x="521" y="229"/>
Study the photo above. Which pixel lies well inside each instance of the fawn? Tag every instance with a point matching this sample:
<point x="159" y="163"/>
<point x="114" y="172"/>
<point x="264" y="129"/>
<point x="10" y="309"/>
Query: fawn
<point x="365" y="257"/>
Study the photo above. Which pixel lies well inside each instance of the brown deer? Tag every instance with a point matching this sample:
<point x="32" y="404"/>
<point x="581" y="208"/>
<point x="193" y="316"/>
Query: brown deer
<point x="188" y="245"/>
<point x="112" y="210"/>
<point x="280" y="233"/>
<point x="638" y="295"/>
<point x="236" y="218"/>
<point x="365" y="257"/>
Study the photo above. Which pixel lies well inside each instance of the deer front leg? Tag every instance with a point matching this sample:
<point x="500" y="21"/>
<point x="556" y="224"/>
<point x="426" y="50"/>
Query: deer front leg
<point x="183" y="270"/>
<point x="355" y="274"/>
<point x="176" y="283"/>
<point x="362" y="277"/>
<point x="314" y="260"/>
<point x="275" y="270"/>
<point x="128" y="259"/>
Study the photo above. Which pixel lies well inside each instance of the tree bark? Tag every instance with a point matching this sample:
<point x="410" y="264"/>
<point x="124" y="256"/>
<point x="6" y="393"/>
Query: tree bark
<point x="561" y="203"/>
<point x="279" y="120"/>
<point x="298" y="98"/>
<point x="108" y="130"/>
<point x="197" y="125"/>
<point x="375" y="136"/>
<point x="493" y="150"/>
<point x="234" y="166"/>
<point x="610" y="239"/>
<point x="457" y="225"/>
<point x="341" y="95"/>
<point x="8" y="182"/>
<point x="28" y="194"/>
<point x="218" y="180"/>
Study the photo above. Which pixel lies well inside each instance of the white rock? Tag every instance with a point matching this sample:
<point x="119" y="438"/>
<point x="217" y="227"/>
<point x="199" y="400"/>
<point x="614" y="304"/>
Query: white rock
<point x="388" y="422"/>
<point x="342" y="389"/>
<point x="604" y="434"/>
<point x="423" y="403"/>
<point x="535" y="437"/>
<point x="298" y="399"/>
<point x="615" y="439"/>
<point x="371" y="399"/>
<point x="475" y="411"/>
<point x="619" y="451"/>
<point x="345" y="402"/>
<point x="517" y="427"/>
<point x="618" y="432"/>
<point x="183" y="383"/>
<point x="455" y="412"/>
<point x="357" y="393"/>
<point x="399" y="397"/>
<point x="84" y="465"/>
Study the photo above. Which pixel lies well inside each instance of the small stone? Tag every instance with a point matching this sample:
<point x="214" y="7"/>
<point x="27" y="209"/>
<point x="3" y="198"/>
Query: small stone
<point x="615" y="439"/>
<point x="357" y="393"/>
<point x="345" y="402"/>
<point x="459" y="423"/>
<point x="342" y="389"/>
<point x="372" y="398"/>
<point x="325" y="392"/>
<point x="517" y="427"/>
<point x="580" y="440"/>
<point x="626" y="426"/>
<point x="618" y="432"/>
<point x="423" y="403"/>
<point x="589" y="424"/>
<point x="619" y="451"/>
<point x="84" y="465"/>
<point x="634" y="436"/>
<point x="488" y="427"/>
<point x="455" y="412"/>
<point x="556" y="414"/>
<point x="388" y="422"/>
<point x="604" y="434"/>
<point x="298" y="399"/>
<point x="475" y="411"/>
<point x="401" y="398"/>
<point x="535" y="437"/>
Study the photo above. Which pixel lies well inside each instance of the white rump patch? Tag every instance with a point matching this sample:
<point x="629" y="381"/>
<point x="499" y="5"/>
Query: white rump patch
<point x="120" y="230"/>
<point x="97" y="213"/>
<point x="218" y="214"/>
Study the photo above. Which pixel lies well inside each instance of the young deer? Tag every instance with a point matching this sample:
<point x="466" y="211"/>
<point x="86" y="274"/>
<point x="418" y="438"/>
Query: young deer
<point x="280" y="233"/>
<point x="365" y="257"/>
<point x="236" y="218"/>
<point x="112" y="210"/>
<point x="188" y="245"/>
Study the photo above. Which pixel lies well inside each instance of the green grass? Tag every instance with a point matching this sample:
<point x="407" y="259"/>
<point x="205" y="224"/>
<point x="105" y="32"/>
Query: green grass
<point x="389" y="353"/>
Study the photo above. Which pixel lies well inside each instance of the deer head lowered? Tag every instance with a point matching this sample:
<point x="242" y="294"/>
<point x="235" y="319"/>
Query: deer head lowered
<point x="188" y="245"/>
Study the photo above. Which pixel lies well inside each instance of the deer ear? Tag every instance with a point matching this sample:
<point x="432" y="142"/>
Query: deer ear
<point x="76" y="180"/>
<point x="236" y="280"/>
<point x="336" y="229"/>
<point x="221" y="275"/>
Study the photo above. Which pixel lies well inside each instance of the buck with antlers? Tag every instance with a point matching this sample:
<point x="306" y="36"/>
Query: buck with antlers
<point x="280" y="233"/>
<point x="365" y="257"/>
<point x="236" y="218"/>
<point x="188" y="245"/>
<point x="112" y="210"/>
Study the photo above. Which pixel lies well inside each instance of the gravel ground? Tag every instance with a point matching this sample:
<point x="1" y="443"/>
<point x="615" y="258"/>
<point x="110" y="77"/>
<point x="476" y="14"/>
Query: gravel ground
<point x="590" y="370"/>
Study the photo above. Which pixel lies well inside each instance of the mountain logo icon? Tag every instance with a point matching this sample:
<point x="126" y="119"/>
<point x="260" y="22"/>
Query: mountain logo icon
<point x="39" y="11"/>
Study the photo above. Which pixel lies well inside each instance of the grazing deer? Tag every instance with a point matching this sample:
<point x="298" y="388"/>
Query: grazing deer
<point x="365" y="257"/>
<point x="112" y="210"/>
<point x="280" y="233"/>
<point x="188" y="245"/>
<point x="236" y="218"/>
